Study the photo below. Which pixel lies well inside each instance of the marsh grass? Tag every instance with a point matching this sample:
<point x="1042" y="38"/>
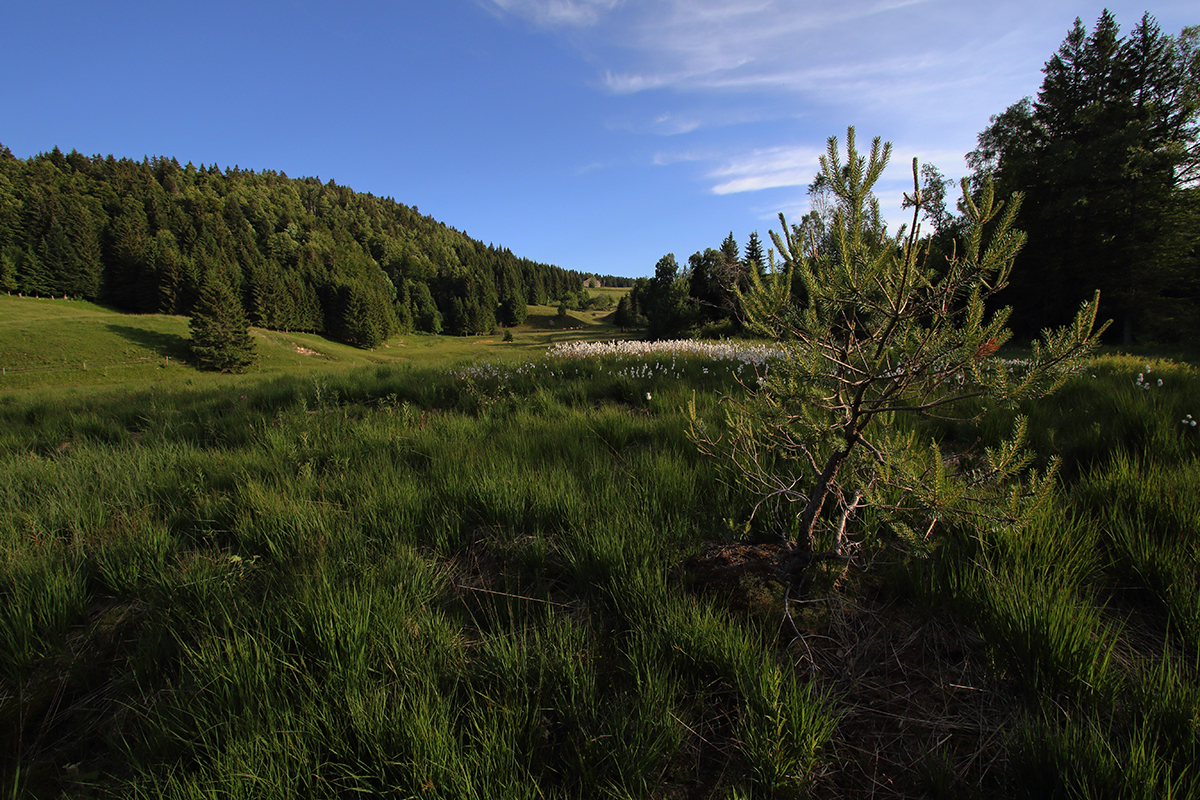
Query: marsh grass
<point x="1091" y="611"/>
<point x="453" y="582"/>
<point x="396" y="580"/>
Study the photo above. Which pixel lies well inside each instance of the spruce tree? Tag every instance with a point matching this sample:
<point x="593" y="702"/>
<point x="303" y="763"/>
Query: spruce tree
<point x="9" y="256"/>
<point x="730" y="275"/>
<point x="730" y="249"/>
<point x="220" y="330"/>
<point x="58" y="258"/>
<point x="754" y="261"/>
<point x="624" y="313"/>
<point x="32" y="276"/>
<point x="1104" y="156"/>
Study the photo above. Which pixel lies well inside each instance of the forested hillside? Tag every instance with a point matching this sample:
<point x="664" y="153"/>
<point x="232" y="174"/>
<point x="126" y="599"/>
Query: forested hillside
<point x="145" y="236"/>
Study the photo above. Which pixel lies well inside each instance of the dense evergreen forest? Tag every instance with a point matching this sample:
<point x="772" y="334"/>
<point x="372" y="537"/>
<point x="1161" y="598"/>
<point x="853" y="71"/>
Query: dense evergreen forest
<point x="146" y="236"/>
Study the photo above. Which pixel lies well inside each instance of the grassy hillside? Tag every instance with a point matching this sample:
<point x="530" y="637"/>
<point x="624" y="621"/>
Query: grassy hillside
<point x="420" y="573"/>
<point x="73" y="343"/>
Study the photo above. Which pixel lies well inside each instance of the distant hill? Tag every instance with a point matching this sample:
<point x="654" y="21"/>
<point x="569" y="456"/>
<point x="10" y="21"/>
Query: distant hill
<point x="144" y="236"/>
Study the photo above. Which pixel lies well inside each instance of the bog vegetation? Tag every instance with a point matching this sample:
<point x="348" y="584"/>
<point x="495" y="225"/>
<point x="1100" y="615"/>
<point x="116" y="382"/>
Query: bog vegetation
<point x="481" y="581"/>
<point x="414" y="571"/>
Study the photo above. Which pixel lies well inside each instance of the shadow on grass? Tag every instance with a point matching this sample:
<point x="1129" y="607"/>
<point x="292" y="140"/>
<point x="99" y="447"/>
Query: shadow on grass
<point x="552" y="322"/>
<point x="170" y="345"/>
<point x="573" y="322"/>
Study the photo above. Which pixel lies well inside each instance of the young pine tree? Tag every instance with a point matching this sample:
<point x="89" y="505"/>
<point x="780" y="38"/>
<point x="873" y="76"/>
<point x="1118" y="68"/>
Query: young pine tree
<point x="220" y="330"/>
<point x="880" y="333"/>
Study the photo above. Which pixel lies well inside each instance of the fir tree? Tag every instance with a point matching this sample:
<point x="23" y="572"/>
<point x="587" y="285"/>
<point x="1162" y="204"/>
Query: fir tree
<point x="32" y="276"/>
<point x="623" y="317"/>
<point x="220" y="331"/>
<point x="9" y="257"/>
<point x="754" y="260"/>
<point x="1104" y="156"/>
<point x="513" y="309"/>
<point x="730" y="275"/>
<point x="58" y="258"/>
<point x="730" y="249"/>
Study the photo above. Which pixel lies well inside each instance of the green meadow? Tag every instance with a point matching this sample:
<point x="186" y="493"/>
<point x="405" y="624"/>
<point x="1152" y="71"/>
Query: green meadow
<point x="454" y="568"/>
<point x="70" y="344"/>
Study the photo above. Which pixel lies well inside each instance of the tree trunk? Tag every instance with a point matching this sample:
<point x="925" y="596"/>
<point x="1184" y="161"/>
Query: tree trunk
<point x="808" y="519"/>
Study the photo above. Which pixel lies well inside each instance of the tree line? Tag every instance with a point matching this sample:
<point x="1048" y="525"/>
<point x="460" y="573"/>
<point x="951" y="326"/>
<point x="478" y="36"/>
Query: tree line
<point x="699" y="298"/>
<point x="1106" y="161"/>
<point x="147" y="236"/>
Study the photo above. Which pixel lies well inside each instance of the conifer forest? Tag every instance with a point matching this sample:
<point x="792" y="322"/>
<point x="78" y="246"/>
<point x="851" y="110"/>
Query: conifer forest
<point x="144" y="236"/>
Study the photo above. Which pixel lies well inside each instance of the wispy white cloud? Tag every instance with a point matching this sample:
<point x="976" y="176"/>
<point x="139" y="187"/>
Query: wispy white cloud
<point x="852" y="52"/>
<point x="792" y="210"/>
<point x="592" y="167"/>
<point x="784" y="167"/>
<point x="767" y="168"/>
<point x="698" y="44"/>
<point x="666" y="159"/>
<point x="558" y="13"/>
<point x="797" y="165"/>
<point x="673" y="124"/>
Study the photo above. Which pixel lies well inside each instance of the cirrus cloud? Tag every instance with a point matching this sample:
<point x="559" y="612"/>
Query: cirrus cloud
<point x="767" y="168"/>
<point x="557" y="13"/>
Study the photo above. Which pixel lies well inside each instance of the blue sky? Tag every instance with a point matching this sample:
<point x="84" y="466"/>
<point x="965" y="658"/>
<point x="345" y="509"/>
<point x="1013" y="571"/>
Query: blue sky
<point x="593" y="134"/>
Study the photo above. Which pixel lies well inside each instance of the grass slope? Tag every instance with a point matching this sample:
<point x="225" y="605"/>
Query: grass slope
<point x="73" y="343"/>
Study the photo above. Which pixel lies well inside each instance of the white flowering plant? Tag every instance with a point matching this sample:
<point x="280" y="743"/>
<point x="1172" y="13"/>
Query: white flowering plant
<point x="870" y="330"/>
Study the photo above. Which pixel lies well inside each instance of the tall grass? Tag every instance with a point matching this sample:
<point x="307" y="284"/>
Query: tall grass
<point x="1091" y="610"/>
<point x="458" y="583"/>
<point x="394" y="581"/>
